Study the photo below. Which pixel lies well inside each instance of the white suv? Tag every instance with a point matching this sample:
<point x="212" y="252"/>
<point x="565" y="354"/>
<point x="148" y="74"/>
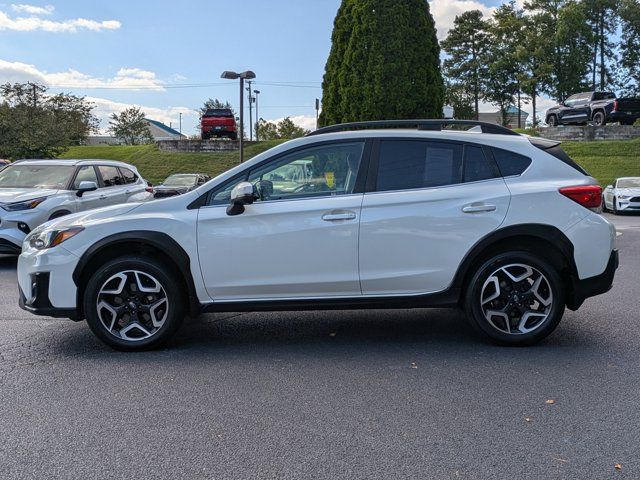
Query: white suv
<point x="35" y="191"/>
<point x="348" y="217"/>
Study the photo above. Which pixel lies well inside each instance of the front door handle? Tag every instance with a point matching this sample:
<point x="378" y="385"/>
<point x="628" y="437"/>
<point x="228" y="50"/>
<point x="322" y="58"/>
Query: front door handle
<point x="102" y="197"/>
<point x="336" y="215"/>
<point x="477" y="208"/>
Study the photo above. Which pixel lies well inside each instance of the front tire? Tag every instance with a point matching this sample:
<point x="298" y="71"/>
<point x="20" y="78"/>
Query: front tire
<point x="552" y="121"/>
<point x="133" y="303"/>
<point x="515" y="298"/>
<point x="615" y="206"/>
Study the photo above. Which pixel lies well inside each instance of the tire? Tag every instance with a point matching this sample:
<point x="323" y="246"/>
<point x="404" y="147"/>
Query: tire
<point x="552" y="121"/>
<point x="615" y="206"/>
<point x="233" y="136"/>
<point x="599" y="119"/>
<point x="604" y="206"/>
<point x="527" y="318"/>
<point x="143" y="320"/>
<point x="58" y="214"/>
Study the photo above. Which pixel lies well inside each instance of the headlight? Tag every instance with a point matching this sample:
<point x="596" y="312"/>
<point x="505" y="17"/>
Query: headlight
<point x="49" y="238"/>
<point x="623" y="197"/>
<point x="26" y="205"/>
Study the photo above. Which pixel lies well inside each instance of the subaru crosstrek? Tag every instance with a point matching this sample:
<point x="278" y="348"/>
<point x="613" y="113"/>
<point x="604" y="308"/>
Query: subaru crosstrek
<point x="352" y="216"/>
<point x="35" y="191"/>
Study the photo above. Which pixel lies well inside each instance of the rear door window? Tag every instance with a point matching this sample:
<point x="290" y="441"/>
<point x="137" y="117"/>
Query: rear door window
<point x="128" y="176"/>
<point x="110" y="176"/>
<point x="410" y="164"/>
<point x="510" y="163"/>
<point x="477" y="166"/>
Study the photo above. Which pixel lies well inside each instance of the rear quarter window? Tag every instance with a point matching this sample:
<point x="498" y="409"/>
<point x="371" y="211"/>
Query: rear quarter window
<point x="510" y="163"/>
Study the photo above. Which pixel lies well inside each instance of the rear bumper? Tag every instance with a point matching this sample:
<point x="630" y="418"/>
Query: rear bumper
<point x="622" y="117"/>
<point x="592" y="286"/>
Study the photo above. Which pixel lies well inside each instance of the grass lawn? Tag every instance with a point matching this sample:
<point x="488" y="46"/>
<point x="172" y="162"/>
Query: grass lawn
<point x="155" y="165"/>
<point x="604" y="160"/>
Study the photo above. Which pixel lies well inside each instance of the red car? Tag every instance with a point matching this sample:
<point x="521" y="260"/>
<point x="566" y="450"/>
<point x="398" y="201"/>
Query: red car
<point x="218" y="122"/>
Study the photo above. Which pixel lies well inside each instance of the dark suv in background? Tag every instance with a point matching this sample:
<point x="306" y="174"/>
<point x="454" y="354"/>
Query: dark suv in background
<point x="218" y="122"/>
<point x="597" y="107"/>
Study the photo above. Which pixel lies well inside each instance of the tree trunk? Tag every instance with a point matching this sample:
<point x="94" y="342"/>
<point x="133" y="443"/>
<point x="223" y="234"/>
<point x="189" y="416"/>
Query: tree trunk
<point x="602" y="69"/>
<point x="518" y="113"/>
<point x="533" y="104"/>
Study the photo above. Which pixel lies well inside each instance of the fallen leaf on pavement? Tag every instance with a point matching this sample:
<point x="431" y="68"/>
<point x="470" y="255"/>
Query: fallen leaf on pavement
<point x="414" y="365"/>
<point x="618" y="466"/>
<point x="527" y="419"/>
<point x="550" y="402"/>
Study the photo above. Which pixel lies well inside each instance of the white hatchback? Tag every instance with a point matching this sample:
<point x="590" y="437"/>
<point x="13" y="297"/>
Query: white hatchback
<point x="33" y="192"/>
<point x="364" y="215"/>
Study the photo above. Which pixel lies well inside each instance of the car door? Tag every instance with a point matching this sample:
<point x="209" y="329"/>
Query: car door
<point x="88" y="200"/>
<point x="427" y="203"/>
<point x="299" y="239"/>
<point x="112" y="188"/>
<point x="576" y="108"/>
<point x="135" y="190"/>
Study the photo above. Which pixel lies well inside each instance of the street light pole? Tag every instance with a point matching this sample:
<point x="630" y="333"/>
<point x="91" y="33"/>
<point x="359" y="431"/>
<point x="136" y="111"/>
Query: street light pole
<point x="249" y="75"/>
<point x="180" y="125"/>
<point x="257" y="92"/>
<point x="250" y="111"/>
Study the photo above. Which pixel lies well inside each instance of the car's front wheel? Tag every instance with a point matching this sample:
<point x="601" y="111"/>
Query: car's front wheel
<point x="133" y="303"/>
<point x="515" y="298"/>
<point x="552" y="121"/>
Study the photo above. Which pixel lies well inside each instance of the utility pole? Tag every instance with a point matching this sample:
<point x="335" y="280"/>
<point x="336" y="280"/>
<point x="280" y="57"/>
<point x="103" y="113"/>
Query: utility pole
<point x="250" y="111"/>
<point x="180" y="125"/>
<point x="317" y="111"/>
<point x="257" y="92"/>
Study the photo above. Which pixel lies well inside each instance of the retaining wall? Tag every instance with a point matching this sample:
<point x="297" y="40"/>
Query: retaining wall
<point x="590" y="133"/>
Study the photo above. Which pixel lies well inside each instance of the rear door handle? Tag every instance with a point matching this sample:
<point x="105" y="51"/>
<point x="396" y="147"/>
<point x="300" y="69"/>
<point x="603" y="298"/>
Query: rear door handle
<point x="338" y="215"/>
<point x="476" y="208"/>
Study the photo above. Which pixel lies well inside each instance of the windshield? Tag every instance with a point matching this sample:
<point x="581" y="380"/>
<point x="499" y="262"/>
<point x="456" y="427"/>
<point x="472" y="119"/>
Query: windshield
<point x="629" y="183"/>
<point x="180" y="181"/>
<point x="36" y="176"/>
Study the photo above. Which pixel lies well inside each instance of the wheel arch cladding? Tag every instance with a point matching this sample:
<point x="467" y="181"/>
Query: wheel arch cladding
<point x="155" y="245"/>
<point x="544" y="240"/>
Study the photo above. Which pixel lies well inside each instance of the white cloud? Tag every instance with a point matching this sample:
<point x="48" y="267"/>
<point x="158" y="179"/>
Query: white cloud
<point x="445" y="11"/>
<point x="308" y="122"/>
<point x="125" y="78"/>
<point x="170" y="115"/>
<point x="32" y="9"/>
<point x="35" y="22"/>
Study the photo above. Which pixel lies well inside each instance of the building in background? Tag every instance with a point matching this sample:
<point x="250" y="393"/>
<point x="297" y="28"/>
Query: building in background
<point x="511" y="120"/>
<point x="159" y="131"/>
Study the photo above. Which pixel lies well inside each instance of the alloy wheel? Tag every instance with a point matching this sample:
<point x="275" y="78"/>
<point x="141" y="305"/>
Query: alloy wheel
<point x="516" y="299"/>
<point x="132" y="305"/>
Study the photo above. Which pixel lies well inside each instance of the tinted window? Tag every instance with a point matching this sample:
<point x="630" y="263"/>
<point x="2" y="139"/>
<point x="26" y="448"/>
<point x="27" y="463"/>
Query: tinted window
<point x="510" y="163"/>
<point x="315" y="171"/>
<point x="221" y="195"/>
<point x="110" y="176"/>
<point x="218" y="112"/>
<point x="406" y="164"/>
<point x="85" y="174"/>
<point x="128" y="175"/>
<point x="603" y="95"/>
<point x="476" y="166"/>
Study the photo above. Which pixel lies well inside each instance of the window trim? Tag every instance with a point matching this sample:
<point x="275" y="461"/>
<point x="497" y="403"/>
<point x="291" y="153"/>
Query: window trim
<point x="75" y="175"/>
<point x="359" y="187"/>
<point x="372" y="175"/>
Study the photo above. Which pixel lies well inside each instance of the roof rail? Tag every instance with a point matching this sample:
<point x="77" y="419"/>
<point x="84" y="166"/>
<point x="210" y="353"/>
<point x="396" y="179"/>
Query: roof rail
<point x="426" y="124"/>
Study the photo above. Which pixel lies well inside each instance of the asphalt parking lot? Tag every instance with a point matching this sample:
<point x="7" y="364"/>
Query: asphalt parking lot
<point x="373" y="394"/>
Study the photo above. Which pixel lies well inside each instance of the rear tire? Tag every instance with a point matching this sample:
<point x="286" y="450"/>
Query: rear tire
<point x="133" y="303"/>
<point x="515" y="298"/>
<point x="599" y="119"/>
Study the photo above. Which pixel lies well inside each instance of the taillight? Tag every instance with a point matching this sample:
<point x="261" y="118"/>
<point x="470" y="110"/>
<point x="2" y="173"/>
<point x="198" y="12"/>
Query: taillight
<point x="615" y="106"/>
<point x="589" y="196"/>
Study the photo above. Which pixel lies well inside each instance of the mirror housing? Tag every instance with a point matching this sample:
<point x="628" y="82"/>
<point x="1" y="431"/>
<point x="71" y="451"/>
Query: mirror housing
<point x="241" y="195"/>
<point x="608" y="186"/>
<point x="86" y="187"/>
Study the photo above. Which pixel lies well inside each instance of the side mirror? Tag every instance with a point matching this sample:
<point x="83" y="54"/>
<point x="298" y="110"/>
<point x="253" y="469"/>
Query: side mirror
<point x="86" y="187"/>
<point x="241" y="195"/>
<point x="609" y="186"/>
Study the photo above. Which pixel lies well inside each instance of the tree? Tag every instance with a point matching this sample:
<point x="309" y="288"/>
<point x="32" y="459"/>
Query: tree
<point x="502" y="82"/>
<point x="466" y="45"/>
<point x="285" y="128"/>
<point x="34" y="124"/>
<point x="214" y="103"/>
<point x="603" y="20"/>
<point x="629" y="50"/>
<point x="462" y="101"/>
<point x="384" y="63"/>
<point x="130" y="127"/>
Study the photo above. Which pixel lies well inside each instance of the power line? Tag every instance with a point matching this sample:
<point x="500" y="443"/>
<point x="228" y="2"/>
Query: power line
<point x="161" y="86"/>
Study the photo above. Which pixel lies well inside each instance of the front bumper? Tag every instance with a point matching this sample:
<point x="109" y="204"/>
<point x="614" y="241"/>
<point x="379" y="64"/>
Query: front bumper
<point x="592" y="286"/>
<point x="628" y="205"/>
<point x="39" y="302"/>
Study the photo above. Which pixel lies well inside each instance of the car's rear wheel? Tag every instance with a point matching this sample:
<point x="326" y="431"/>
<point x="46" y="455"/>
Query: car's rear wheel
<point x="133" y="303"/>
<point x="515" y="298"/>
<point x="599" y="119"/>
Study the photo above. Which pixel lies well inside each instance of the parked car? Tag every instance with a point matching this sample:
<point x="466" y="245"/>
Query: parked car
<point x="35" y="191"/>
<point x="218" y="122"/>
<point x="597" y="107"/>
<point x="622" y="196"/>
<point x="496" y="222"/>
<point x="180" y="183"/>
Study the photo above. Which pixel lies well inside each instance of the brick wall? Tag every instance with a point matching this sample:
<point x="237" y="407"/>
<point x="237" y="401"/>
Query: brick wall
<point x="196" y="146"/>
<point x="591" y="133"/>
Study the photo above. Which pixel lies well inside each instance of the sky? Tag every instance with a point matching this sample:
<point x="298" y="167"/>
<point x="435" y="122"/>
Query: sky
<point x="167" y="56"/>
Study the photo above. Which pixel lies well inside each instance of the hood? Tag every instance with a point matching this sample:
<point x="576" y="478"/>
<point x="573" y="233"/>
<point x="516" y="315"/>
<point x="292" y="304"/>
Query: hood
<point x="93" y="216"/>
<point x="10" y="195"/>
<point x="632" y="192"/>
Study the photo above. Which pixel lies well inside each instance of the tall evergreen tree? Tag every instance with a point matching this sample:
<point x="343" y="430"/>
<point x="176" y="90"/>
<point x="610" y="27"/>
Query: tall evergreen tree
<point x="630" y="46"/>
<point x="603" y="20"/>
<point x="384" y="63"/>
<point x="466" y="45"/>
